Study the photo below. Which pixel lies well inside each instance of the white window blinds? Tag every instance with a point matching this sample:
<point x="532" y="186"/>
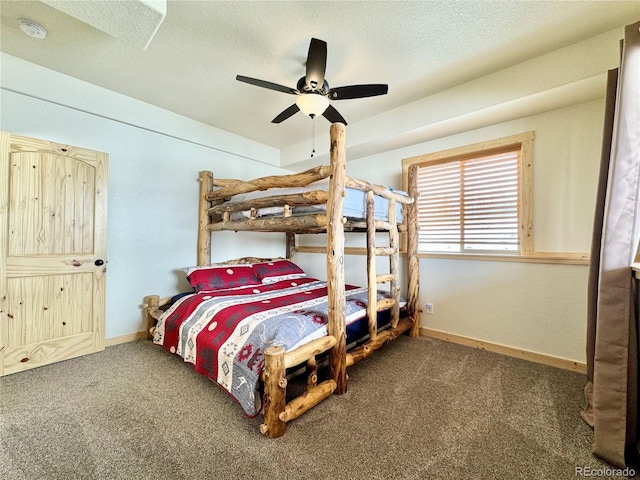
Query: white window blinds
<point x="470" y="205"/>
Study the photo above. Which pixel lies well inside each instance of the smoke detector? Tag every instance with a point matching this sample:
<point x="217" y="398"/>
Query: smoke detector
<point x="33" y="29"/>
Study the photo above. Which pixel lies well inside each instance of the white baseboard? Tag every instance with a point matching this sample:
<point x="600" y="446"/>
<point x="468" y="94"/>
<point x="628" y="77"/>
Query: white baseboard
<point x="558" y="362"/>
<point x="130" y="337"/>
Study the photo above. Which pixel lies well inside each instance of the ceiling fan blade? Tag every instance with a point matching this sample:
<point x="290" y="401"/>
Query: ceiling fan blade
<point x="333" y="115"/>
<point x="358" y="91"/>
<point x="316" y="64"/>
<point x="265" y="84"/>
<point x="292" y="110"/>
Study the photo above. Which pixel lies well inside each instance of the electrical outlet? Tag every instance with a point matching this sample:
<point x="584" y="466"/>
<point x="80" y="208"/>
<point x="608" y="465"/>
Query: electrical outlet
<point x="430" y="309"/>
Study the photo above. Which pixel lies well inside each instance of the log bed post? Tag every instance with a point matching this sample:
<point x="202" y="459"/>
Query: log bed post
<point x="372" y="284"/>
<point x="275" y="387"/>
<point x="335" y="259"/>
<point x="291" y="246"/>
<point x="394" y="264"/>
<point x="204" y="235"/>
<point x="413" y="267"/>
<point x="150" y="303"/>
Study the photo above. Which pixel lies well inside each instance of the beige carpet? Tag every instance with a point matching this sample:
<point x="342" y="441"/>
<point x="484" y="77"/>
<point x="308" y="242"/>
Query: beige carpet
<point x="418" y="409"/>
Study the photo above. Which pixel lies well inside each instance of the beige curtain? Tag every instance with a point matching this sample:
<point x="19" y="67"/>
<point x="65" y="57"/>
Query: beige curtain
<point x="612" y="333"/>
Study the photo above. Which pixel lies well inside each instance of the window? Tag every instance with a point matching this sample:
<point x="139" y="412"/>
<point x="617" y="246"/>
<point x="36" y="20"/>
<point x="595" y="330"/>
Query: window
<point x="475" y="199"/>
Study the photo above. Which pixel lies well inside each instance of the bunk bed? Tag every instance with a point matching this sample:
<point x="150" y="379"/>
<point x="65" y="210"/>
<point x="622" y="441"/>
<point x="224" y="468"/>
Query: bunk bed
<point x="315" y="205"/>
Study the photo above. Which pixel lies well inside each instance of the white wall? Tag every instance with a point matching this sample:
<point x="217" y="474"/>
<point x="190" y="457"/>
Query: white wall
<point x="152" y="188"/>
<point x="535" y="307"/>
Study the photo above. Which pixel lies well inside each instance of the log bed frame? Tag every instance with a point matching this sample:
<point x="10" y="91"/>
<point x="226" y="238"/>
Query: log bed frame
<point x="215" y="217"/>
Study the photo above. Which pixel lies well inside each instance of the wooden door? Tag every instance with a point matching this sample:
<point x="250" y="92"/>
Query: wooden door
<point x="53" y="219"/>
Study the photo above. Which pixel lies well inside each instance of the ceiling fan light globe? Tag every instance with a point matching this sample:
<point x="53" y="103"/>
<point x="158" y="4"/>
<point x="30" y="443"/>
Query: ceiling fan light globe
<point x="312" y="104"/>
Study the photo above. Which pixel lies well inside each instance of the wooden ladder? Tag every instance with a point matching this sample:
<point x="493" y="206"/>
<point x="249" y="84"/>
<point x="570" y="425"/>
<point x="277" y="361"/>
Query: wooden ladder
<point x="393" y="252"/>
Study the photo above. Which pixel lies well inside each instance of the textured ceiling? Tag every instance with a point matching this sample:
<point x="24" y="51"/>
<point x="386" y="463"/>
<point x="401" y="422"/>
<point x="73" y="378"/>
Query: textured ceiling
<point x="418" y="48"/>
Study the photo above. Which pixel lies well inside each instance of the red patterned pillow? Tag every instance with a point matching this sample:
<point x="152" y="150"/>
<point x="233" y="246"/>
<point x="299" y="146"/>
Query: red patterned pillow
<point x="271" y="272"/>
<point x="221" y="277"/>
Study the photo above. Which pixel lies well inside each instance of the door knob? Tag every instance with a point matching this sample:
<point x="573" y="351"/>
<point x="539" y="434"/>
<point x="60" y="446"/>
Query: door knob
<point x="99" y="262"/>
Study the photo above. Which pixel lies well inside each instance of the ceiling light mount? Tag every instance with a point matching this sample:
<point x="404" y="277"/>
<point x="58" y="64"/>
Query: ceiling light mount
<point x="33" y="29"/>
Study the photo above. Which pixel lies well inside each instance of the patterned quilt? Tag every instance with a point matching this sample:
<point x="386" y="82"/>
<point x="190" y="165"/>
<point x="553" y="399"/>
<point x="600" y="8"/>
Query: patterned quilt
<point x="224" y="333"/>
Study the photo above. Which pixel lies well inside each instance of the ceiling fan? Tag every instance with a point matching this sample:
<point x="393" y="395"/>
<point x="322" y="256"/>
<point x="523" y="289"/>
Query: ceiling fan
<point x="313" y="90"/>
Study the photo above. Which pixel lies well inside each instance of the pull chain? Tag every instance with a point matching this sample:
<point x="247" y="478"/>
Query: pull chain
<point x="313" y="136"/>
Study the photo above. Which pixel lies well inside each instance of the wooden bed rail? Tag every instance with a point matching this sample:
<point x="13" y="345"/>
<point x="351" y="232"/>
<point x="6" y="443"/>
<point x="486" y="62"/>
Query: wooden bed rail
<point x="302" y="224"/>
<point x="276" y="411"/>
<point x="379" y="190"/>
<point x="230" y="188"/>
<point x="315" y="197"/>
<point x="367" y="349"/>
<point x="307" y="351"/>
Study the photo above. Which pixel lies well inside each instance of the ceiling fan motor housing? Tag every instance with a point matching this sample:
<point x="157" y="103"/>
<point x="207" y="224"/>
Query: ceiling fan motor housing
<point x="304" y="88"/>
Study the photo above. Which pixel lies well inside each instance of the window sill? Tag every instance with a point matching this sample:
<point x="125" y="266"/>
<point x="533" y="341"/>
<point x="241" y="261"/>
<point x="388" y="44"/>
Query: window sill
<point x="535" y="257"/>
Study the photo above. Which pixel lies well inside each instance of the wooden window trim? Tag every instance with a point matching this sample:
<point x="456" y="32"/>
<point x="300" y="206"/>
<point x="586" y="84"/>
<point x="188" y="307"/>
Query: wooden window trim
<point x="527" y="253"/>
